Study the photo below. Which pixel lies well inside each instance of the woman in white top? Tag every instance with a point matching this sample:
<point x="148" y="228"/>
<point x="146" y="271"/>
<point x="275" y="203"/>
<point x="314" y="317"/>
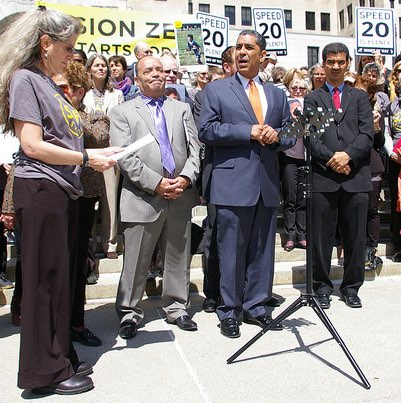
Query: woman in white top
<point x="100" y="100"/>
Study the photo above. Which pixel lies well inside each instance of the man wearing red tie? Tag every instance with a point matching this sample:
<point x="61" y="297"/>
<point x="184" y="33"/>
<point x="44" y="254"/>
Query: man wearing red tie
<point x="240" y="119"/>
<point x="341" y="178"/>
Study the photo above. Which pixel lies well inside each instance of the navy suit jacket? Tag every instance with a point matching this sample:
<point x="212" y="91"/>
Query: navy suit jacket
<point x="352" y="132"/>
<point x="242" y="169"/>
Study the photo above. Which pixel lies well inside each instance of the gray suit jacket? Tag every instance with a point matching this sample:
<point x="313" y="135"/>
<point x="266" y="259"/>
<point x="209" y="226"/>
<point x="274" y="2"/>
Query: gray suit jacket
<point x="143" y="169"/>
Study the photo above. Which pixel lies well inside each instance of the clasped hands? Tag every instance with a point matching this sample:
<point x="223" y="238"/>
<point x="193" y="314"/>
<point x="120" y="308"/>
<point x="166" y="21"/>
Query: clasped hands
<point x="339" y="163"/>
<point x="264" y="134"/>
<point x="171" y="189"/>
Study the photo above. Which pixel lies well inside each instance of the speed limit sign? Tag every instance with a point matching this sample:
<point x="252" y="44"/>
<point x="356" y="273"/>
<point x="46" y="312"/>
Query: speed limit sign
<point x="270" y="23"/>
<point x="375" y="31"/>
<point x="215" y="36"/>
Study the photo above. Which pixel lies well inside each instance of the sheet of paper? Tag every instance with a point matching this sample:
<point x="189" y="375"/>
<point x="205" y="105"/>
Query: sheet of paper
<point x="135" y="146"/>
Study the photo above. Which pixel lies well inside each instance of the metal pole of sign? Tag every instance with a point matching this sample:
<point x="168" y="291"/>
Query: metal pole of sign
<point x="395" y="33"/>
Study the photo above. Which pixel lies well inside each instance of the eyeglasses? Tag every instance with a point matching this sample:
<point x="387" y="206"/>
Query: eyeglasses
<point x="175" y="72"/>
<point x="65" y="88"/>
<point x="298" y="88"/>
<point x="202" y="74"/>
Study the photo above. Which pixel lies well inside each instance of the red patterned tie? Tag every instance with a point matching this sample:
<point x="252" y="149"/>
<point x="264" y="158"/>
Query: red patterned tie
<point x="336" y="98"/>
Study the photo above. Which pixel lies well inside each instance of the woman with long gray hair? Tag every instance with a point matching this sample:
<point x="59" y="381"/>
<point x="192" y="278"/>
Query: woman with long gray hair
<point x="46" y="187"/>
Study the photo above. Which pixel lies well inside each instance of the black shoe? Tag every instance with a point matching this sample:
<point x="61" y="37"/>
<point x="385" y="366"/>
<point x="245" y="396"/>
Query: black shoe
<point x="230" y="328"/>
<point x="86" y="337"/>
<point x="5" y="283"/>
<point x="353" y="301"/>
<point x="397" y="257"/>
<point x="92" y="278"/>
<point x="209" y="305"/>
<point x="273" y="301"/>
<point x="262" y="321"/>
<point x="82" y="368"/>
<point x="75" y="384"/>
<point x="184" y="322"/>
<point x="128" y="329"/>
<point x="324" y="300"/>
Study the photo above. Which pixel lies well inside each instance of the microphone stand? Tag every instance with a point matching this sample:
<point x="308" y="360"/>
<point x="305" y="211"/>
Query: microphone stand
<point x="308" y="124"/>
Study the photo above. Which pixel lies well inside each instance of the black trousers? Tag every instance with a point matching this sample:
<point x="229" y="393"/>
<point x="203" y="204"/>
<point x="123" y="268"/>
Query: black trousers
<point x="373" y="224"/>
<point x="350" y="211"/>
<point x="294" y="211"/>
<point x="393" y="172"/>
<point x="211" y="271"/>
<point x="86" y="220"/>
<point x="48" y="223"/>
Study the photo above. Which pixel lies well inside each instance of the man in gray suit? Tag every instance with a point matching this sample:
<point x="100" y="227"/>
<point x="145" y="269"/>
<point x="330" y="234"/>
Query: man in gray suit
<point x="157" y="196"/>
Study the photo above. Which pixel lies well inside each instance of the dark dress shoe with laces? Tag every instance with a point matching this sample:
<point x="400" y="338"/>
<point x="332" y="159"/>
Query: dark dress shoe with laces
<point x="86" y="337"/>
<point x="262" y="321"/>
<point x="72" y="386"/>
<point x="230" y="328"/>
<point x="209" y="305"/>
<point x="273" y="301"/>
<point x="184" y="322"/>
<point x="128" y="329"/>
<point x="82" y="368"/>
<point x="324" y="300"/>
<point x="353" y="301"/>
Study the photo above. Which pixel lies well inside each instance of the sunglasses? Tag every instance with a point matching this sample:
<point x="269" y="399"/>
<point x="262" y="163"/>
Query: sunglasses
<point x="298" y="88"/>
<point x="65" y="88"/>
<point x="175" y="72"/>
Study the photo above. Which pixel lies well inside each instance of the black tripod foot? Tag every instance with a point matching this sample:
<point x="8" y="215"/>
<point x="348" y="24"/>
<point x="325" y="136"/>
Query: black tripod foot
<point x="306" y="300"/>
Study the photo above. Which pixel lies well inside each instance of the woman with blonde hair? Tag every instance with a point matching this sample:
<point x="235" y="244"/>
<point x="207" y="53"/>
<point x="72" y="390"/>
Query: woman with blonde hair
<point x="394" y="79"/>
<point x="46" y="187"/>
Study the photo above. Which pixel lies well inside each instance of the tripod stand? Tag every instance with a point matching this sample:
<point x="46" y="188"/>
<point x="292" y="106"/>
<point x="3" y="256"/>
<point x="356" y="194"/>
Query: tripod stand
<point x="307" y="125"/>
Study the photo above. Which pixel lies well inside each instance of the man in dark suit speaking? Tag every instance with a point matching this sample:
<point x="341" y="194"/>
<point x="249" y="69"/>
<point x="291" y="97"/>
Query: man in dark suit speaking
<point x="341" y="178"/>
<point x="240" y="120"/>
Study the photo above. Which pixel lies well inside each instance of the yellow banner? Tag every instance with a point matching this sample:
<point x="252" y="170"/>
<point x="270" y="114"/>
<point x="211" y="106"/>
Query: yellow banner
<point x="116" y="32"/>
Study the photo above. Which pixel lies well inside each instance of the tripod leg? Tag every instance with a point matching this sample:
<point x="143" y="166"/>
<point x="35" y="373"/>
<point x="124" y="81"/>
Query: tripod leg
<point x="329" y="326"/>
<point x="298" y="303"/>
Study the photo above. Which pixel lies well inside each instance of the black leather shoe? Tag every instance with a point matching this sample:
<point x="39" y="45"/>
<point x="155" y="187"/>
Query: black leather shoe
<point x="262" y="321"/>
<point x="209" y="305"/>
<point x="230" y="328"/>
<point x="397" y="257"/>
<point x="86" y="337"/>
<point x="75" y="384"/>
<point x="82" y="368"/>
<point x="273" y="301"/>
<point x="324" y="300"/>
<point x="128" y="329"/>
<point x="184" y="322"/>
<point x="353" y="301"/>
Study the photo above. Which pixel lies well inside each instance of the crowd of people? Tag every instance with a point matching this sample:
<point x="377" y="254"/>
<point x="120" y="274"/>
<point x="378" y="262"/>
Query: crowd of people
<point x="214" y="139"/>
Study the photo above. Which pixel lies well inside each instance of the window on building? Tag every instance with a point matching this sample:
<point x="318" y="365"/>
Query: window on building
<point x="190" y="7"/>
<point x="313" y="55"/>
<point x="349" y="12"/>
<point x="325" y="21"/>
<point x="372" y="3"/>
<point x="288" y="18"/>
<point x="229" y="12"/>
<point x="310" y="20"/>
<point x="246" y="16"/>
<point x="341" y="17"/>
<point x="361" y="3"/>
<point x="204" y="8"/>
